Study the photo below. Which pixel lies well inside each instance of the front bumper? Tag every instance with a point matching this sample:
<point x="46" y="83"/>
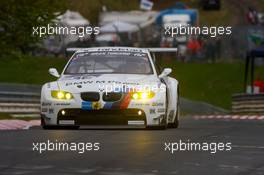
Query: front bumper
<point x="101" y="117"/>
<point x="123" y="112"/>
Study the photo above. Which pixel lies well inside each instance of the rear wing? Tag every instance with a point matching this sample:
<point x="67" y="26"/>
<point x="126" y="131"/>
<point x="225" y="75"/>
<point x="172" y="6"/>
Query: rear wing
<point x="152" y="50"/>
<point x="160" y="50"/>
<point x="75" y="49"/>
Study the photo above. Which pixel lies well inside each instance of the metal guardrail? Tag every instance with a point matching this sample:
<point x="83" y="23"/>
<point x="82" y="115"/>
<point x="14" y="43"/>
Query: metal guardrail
<point x="248" y="103"/>
<point x="19" y="102"/>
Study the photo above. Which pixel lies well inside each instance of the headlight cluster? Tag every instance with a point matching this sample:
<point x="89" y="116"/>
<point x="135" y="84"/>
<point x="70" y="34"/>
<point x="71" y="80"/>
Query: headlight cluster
<point x="62" y="95"/>
<point x="142" y="95"/>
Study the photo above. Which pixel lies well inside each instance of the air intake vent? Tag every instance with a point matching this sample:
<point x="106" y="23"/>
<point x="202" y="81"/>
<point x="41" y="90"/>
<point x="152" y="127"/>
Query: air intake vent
<point x="112" y="96"/>
<point x="90" y="96"/>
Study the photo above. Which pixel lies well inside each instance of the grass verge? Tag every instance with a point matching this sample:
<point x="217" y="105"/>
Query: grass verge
<point x="29" y="70"/>
<point x="211" y="83"/>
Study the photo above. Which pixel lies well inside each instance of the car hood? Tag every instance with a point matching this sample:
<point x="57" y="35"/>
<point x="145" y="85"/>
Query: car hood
<point x="82" y="83"/>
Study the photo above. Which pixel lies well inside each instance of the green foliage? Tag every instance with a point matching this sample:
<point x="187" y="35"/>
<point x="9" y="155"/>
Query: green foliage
<point x="18" y="17"/>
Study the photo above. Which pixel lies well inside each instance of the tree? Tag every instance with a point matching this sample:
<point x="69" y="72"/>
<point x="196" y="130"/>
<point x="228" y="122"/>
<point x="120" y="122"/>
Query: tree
<point x="18" y="17"/>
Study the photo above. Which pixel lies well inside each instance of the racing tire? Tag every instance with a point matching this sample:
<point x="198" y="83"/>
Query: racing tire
<point x="164" y="123"/>
<point x="158" y="127"/>
<point x="175" y="124"/>
<point x="44" y="126"/>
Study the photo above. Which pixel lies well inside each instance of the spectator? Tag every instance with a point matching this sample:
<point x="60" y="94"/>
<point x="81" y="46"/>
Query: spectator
<point x="259" y="83"/>
<point x="193" y="47"/>
<point x="218" y="48"/>
<point x="210" y="50"/>
<point x="252" y="16"/>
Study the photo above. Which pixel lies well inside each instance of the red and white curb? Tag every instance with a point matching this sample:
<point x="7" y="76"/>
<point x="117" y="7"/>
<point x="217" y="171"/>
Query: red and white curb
<point x="18" y="124"/>
<point x="230" y="117"/>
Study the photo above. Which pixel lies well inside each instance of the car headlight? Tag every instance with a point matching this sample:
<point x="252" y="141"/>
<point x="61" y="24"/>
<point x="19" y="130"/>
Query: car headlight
<point x="62" y="95"/>
<point x="142" y="95"/>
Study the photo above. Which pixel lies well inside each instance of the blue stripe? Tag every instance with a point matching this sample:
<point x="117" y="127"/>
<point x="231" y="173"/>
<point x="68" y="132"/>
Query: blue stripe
<point x="86" y="105"/>
<point x="108" y="105"/>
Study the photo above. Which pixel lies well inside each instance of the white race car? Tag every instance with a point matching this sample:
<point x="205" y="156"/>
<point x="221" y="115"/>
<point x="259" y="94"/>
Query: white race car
<point x="111" y="86"/>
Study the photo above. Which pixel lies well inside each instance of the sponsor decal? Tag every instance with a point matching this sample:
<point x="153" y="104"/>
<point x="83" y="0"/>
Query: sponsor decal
<point x="62" y="104"/>
<point x="118" y="49"/>
<point x="44" y="110"/>
<point x="161" y="110"/>
<point x="122" y="83"/>
<point x="157" y="104"/>
<point x="152" y="111"/>
<point x="141" y="104"/>
<point x="45" y="104"/>
<point x="81" y="77"/>
<point x="79" y="83"/>
<point x="51" y="111"/>
<point x="96" y="105"/>
<point x="88" y="105"/>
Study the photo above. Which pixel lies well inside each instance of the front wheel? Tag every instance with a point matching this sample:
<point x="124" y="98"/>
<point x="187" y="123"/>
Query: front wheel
<point x="163" y="125"/>
<point x="175" y="124"/>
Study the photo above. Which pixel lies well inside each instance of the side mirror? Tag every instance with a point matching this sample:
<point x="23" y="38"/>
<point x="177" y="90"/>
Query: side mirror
<point x="165" y="72"/>
<point x="54" y="72"/>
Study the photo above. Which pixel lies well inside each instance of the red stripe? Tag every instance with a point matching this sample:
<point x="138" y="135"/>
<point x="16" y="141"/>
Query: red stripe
<point x="124" y="104"/>
<point x="232" y="117"/>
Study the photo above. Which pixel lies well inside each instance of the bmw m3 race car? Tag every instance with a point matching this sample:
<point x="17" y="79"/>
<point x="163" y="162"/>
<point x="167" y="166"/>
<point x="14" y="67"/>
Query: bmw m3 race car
<point x="111" y="86"/>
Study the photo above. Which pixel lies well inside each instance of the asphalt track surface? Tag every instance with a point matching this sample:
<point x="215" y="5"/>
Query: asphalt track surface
<point x="142" y="152"/>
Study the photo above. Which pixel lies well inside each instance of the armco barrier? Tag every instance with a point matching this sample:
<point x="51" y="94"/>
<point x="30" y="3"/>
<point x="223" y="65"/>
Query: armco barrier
<point x="248" y="103"/>
<point x="19" y="102"/>
<point x="25" y="99"/>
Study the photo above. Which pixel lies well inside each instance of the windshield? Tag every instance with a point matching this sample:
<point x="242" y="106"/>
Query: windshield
<point x="109" y="62"/>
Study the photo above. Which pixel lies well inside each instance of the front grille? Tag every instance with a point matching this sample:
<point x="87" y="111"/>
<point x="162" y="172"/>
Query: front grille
<point x="102" y="116"/>
<point x="90" y="96"/>
<point x="112" y="96"/>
